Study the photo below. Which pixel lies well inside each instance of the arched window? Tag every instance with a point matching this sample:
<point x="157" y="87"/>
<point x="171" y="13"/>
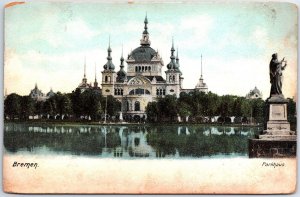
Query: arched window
<point x="157" y="91"/>
<point x="149" y="68"/>
<point x="164" y="92"/>
<point x="160" y="92"/>
<point x="116" y="91"/>
<point x="106" y="78"/>
<point x="131" y="92"/>
<point x="121" y="91"/>
<point x="137" y="106"/>
<point x="173" y="77"/>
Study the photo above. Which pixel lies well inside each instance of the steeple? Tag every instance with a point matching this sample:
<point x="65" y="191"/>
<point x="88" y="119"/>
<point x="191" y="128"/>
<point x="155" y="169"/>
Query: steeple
<point x="201" y="86"/>
<point x="109" y="65"/>
<point x="177" y="58"/>
<point x="145" y="27"/>
<point x="145" y="37"/>
<point x="121" y="75"/>
<point x="84" y="76"/>
<point x="201" y="68"/>
<point x="172" y="64"/>
<point x="95" y="83"/>
<point x="122" y="59"/>
<point x="84" y="80"/>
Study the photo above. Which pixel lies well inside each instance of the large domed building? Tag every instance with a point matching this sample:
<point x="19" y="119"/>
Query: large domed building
<point x="143" y="82"/>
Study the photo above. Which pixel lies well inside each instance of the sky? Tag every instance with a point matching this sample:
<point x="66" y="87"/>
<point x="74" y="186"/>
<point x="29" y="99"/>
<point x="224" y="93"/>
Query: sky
<point x="46" y="43"/>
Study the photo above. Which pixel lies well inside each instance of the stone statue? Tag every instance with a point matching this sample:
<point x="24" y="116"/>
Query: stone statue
<point x="276" y="68"/>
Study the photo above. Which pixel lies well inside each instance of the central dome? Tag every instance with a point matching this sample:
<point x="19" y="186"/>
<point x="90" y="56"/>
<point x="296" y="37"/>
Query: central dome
<point x="143" y="54"/>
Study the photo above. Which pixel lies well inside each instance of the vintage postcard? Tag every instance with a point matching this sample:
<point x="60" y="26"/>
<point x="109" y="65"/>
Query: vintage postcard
<point x="160" y="97"/>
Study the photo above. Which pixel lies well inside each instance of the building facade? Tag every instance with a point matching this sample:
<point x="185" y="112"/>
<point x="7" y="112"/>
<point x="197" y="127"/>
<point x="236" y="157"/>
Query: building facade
<point x="254" y="94"/>
<point x="37" y="94"/>
<point x="144" y="81"/>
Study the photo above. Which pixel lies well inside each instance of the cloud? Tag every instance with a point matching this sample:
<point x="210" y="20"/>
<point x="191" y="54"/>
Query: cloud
<point x="78" y="29"/>
<point x="61" y="72"/>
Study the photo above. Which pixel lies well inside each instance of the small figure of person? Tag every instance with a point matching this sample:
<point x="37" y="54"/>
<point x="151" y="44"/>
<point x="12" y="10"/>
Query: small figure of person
<point x="276" y="68"/>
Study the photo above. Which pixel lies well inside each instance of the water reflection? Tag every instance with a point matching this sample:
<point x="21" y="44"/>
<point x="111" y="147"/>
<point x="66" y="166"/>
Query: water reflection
<point x="128" y="141"/>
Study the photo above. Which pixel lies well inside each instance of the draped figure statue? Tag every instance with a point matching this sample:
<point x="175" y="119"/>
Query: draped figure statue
<point x="276" y="68"/>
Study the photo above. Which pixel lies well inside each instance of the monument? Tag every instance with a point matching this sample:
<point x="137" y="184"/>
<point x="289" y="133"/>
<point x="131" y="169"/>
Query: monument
<point x="276" y="140"/>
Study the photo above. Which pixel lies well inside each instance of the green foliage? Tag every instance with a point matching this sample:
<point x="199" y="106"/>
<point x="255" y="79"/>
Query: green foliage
<point x="152" y="111"/>
<point x="12" y="106"/>
<point x="27" y="107"/>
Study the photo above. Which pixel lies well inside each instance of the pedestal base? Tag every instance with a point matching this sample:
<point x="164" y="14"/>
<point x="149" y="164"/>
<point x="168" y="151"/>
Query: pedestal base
<point x="276" y="140"/>
<point x="262" y="148"/>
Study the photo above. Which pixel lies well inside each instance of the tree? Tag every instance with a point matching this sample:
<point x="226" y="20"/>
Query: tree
<point x="38" y="108"/>
<point x="27" y="107"/>
<point x="212" y="103"/>
<point x="226" y="105"/>
<point x="167" y="107"/>
<point x="113" y="106"/>
<point x="77" y="103"/>
<point x="184" y="109"/>
<point x="63" y="104"/>
<point x="258" y="106"/>
<point x="246" y="108"/>
<point x="152" y="111"/>
<point x="12" y="106"/>
<point x="49" y="107"/>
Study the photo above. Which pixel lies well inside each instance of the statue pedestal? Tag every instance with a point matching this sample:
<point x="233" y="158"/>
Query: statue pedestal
<point x="277" y="140"/>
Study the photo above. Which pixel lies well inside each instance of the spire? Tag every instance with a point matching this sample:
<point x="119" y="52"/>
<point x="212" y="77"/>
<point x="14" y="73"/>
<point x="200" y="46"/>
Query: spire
<point x="95" y="83"/>
<point x="121" y="74"/>
<point x="84" y="80"/>
<point x="84" y="75"/>
<point x="201" y="67"/>
<point x="109" y="50"/>
<point x="146" y="23"/>
<point x="145" y="37"/>
<point x="95" y="73"/>
<point x="122" y="59"/>
<point x="172" y="64"/>
<point x="172" y="50"/>
<point x="35" y="85"/>
<point x="109" y="65"/>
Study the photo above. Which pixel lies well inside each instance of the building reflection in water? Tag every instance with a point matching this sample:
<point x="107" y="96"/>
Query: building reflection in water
<point x="128" y="141"/>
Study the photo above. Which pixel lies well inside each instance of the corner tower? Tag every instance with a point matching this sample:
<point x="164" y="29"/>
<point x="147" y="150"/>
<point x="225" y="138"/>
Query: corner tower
<point x="108" y="74"/>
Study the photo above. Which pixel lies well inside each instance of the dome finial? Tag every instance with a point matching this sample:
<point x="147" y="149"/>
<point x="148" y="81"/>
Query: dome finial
<point x="84" y="72"/>
<point x="145" y="37"/>
<point x="95" y="73"/>
<point x="122" y="58"/>
<point x="109" y="65"/>
<point x="201" y="66"/>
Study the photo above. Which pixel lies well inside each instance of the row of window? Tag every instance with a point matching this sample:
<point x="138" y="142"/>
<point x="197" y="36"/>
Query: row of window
<point x="142" y="68"/>
<point x="107" y="78"/>
<point x="118" y="91"/>
<point x="172" y="78"/>
<point x="160" y="91"/>
<point x="139" y="91"/>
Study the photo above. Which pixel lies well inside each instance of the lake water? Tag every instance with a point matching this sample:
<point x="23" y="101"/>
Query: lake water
<point x="129" y="141"/>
